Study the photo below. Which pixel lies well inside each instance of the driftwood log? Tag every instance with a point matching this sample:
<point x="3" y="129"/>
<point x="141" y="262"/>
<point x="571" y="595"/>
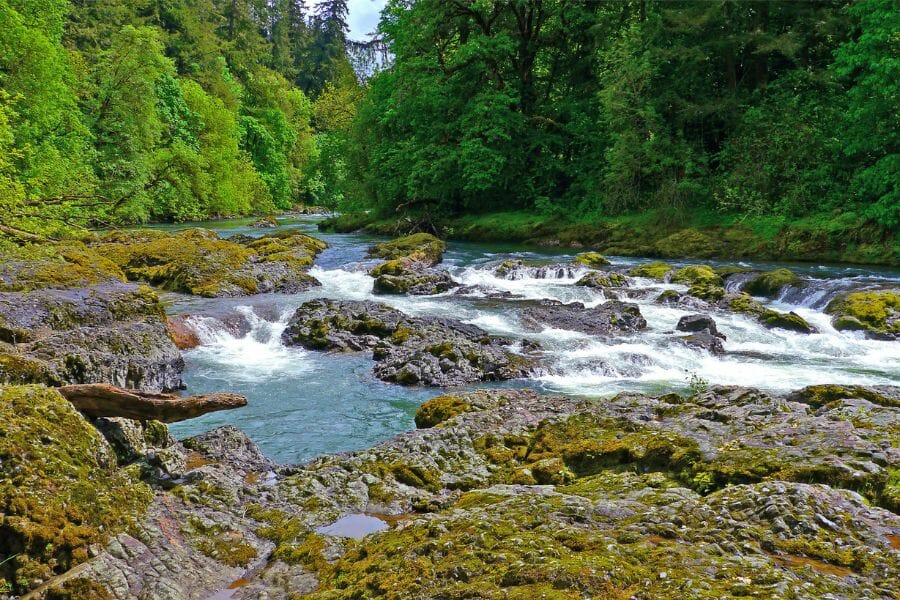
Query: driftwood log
<point x="103" y="400"/>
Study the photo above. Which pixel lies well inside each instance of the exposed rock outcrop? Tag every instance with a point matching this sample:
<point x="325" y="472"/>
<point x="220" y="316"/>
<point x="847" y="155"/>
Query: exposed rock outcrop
<point x="409" y="350"/>
<point x="112" y="332"/>
<point x="408" y="269"/>
<point x="726" y="492"/>
<point x="197" y="262"/>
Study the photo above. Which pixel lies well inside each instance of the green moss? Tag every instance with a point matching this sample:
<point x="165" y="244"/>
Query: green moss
<point x="18" y="369"/>
<point x="818" y="396"/>
<point x="790" y="321"/>
<point x="593" y="260"/>
<point x="769" y="284"/>
<point x="602" y="280"/>
<point x="890" y="495"/>
<point x="688" y="243"/>
<point x="60" y="266"/>
<point x="78" y="588"/>
<point x="197" y="262"/>
<point x="744" y="303"/>
<point x="706" y="291"/>
<point x="422" y="247"/>
<point x="185" y="262"/>
<point x="653" y="270"/>
<point x="60" y="490"/>
<point x="437" y="410"/>
<point x="878" y="312"/>
<point x="697" y="275"/>
<point x="401" y="335"/>
<point x="218" y="542"/>
<point x="390" y="267"/>
<point x="668" y="296"/>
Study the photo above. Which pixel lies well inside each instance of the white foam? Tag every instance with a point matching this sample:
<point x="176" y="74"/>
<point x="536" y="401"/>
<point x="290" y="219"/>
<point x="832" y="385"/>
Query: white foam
<point x="256" y="356"/>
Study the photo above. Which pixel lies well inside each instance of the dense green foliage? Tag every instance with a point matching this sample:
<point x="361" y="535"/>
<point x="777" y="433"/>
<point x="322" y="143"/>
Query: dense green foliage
<point x="129" y="111"/>
<point x="608" y="108"/>
<point x="121" y="111"/>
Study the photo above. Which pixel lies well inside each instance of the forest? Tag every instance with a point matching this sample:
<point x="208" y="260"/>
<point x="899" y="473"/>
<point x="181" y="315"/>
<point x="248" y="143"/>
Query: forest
<point x="115" y="111"/>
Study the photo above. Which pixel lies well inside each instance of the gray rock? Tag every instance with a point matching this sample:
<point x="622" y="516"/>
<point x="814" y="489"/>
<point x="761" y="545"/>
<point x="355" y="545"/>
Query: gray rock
<point x="409" y="350"/>
<point x="610" y="318"/>
<point x="699" y="323"/>
<point x="113" y="332"/>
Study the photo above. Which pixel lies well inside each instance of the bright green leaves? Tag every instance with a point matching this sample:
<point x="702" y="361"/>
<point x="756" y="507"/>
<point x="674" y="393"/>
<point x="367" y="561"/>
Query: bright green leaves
<point x="871" y="64"/>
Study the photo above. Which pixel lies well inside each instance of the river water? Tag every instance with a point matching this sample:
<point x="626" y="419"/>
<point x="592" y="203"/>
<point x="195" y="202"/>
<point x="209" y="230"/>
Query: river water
<point x="304" y="403"/>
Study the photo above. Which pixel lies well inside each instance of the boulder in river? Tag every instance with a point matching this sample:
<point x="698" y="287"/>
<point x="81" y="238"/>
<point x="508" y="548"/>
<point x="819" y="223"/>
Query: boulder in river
<point x="695" y="323"/>
<point x="601" y="280"/>
<point x="409" y="350"/>
<point x="790" y="321"/>
<point x="610" y="318"/>
<point x="770" y="283"/>
<point x="402" y="277"/>
<point x="703" y="333"/>
<point x="265" y="223"/>
<point x="594" y="260"/>
<point x="877" y="313"/>
<point x="419" y="247"/>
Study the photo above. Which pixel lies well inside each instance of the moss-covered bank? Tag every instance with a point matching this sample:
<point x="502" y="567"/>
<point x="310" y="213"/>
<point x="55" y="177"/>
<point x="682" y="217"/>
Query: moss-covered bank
<point x="60" y="488"/>
<point x="670" y="234"/>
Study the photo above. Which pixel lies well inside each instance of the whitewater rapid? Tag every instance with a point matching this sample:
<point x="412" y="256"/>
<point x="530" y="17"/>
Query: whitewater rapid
<point x="304" y="403"/>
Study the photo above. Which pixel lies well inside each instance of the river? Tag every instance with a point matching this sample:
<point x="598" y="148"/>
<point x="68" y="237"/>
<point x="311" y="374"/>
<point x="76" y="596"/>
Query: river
<point x="304" y="403"/>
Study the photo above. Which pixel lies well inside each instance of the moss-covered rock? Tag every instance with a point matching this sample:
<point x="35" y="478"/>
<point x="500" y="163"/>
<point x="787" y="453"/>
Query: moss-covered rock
<point x="594" y="260"/>
<point x="742" y="303"/>
<point x="437" y="410"/>
<point x="818" y="396"/>
<point x="18" y="369"/>
<point x="112" y="332"/>
<point x="420" y="247"/>
<point x="60" y="489"/>
<point x="197" y="262"/>
<point x="60" y="266"/>
<point x="653" y="270"/>
<point x="602" y="280"/>
<point x="697" y="274"/>
<point x="877" y="313"/>
<point x="790" y="321"/>
<point x="770" y="283"/>
<point x="401" y="276"/>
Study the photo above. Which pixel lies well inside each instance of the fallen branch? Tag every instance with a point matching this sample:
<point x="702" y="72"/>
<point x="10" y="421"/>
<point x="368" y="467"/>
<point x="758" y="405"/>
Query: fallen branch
<point x="103" y="400"/>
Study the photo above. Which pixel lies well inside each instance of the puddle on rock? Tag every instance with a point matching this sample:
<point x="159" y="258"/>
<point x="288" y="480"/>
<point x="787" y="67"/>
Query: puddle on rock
<point x="356" y="526"/>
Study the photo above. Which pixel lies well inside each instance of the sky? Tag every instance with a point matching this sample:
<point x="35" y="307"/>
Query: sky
<point x="363" y="16"/>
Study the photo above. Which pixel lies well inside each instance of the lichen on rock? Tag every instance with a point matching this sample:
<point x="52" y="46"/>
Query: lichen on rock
<point x="60" y="488"/>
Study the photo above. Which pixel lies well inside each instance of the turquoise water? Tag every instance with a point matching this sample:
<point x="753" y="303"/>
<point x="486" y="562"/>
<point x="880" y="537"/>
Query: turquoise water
<point x="303" y="403"/>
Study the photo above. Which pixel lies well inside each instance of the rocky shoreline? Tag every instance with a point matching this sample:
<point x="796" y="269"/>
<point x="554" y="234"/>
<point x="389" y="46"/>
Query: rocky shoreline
<point x="722" y="492"/>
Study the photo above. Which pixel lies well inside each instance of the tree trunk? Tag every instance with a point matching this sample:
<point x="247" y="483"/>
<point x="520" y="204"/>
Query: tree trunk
<point x="103" y="400"/>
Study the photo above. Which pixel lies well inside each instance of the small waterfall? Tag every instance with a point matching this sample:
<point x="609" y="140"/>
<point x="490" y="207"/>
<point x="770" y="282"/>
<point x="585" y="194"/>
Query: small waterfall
<point x="519" y="271"/>
<point x="252" y="353"/>
<point x="735" y="282"/>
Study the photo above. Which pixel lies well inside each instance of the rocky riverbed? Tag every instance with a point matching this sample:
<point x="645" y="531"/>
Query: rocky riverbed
<point x="671" y="487"/>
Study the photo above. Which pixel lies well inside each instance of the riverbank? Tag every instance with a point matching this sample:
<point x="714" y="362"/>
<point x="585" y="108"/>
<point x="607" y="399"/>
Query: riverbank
<point x="843" y="238"/>
<point x="647" y="400"/>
